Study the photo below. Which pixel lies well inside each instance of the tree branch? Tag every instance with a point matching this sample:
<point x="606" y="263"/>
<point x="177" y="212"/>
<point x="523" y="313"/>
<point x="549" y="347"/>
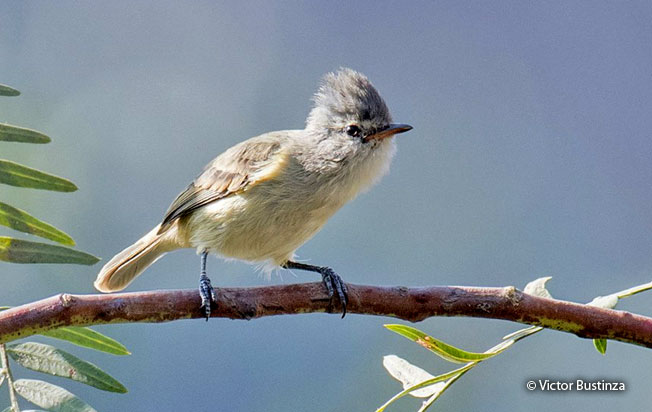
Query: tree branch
<point x="411" y="304"/>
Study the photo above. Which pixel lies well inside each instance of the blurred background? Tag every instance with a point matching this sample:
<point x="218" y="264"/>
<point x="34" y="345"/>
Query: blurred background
<point x="530" y="156"/>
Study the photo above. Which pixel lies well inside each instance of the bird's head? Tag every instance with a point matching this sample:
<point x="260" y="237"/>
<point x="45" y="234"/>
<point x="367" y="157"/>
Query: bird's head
<point x="348" y="107"/>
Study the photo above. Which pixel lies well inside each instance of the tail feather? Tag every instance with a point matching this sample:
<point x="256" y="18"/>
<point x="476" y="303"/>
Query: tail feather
<point x="131" y="262"/>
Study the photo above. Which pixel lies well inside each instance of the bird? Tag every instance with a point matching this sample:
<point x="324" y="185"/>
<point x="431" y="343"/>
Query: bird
<point x="263" y="198"/>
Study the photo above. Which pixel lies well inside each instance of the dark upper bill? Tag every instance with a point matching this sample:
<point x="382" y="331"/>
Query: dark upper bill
<point x="390" y="131"/>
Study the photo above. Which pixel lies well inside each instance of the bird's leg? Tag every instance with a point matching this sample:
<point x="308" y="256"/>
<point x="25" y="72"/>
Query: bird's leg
<point x="205" y="289"/>
<point x="332" y="280"/>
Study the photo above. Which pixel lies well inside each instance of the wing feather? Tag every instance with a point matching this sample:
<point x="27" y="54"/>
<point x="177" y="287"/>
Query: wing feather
<point x="234" y="171"/>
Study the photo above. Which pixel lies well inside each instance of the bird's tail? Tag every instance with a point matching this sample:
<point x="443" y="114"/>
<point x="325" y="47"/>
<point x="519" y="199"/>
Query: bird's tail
<point x="131" y="262"/>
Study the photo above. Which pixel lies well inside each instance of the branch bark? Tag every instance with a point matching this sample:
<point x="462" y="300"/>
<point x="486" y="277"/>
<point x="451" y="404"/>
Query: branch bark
<point x="411" y="304"/>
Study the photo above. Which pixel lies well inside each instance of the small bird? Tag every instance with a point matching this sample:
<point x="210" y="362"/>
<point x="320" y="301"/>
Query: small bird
<point x="263" y="198"/>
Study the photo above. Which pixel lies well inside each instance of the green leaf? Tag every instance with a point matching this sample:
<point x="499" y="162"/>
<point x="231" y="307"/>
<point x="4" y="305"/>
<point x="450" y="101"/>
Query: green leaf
<point x="50" y="397"/>
<point x="522" y="333"/>
<point x="10" y="133"/>
<point x="427" y="404"/>
<point x="8" y="91"/>
<point x="24" y="251"/>
<point x="600" y="345"/>
<point x="88" y="338"/>
<point x="14" y="174"/>
<point x="444" y="350"/>
<point x="22" y="221"/>
<point x="48" y="359"/>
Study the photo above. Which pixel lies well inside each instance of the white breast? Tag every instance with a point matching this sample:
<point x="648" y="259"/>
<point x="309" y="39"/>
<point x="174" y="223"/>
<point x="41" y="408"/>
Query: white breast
<point x="272" y="219"/>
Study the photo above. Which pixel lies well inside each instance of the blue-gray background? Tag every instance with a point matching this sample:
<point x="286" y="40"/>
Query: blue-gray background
<point x="530" y="156"/>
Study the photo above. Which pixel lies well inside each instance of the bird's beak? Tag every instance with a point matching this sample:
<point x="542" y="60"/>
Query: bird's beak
<point x="390" y="131"/>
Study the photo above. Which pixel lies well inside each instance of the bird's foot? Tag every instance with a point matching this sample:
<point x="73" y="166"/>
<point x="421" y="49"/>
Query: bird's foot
<point x="334" y="283"/>
<point x="207" y="294"/>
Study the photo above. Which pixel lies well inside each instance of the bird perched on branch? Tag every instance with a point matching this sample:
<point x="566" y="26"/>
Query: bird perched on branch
<point x="263" y="198"/>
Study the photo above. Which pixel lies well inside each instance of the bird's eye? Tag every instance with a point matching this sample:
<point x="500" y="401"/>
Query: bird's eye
<point x="353" y="130"/>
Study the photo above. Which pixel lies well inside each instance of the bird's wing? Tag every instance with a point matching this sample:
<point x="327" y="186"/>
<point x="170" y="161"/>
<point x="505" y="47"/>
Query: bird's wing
<point x="234" y="171"/>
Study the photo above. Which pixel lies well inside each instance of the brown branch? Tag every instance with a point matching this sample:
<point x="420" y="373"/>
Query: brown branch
<point x="411" y="304"/>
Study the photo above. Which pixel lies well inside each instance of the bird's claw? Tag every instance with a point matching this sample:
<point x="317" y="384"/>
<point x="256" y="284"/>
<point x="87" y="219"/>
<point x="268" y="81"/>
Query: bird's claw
<point x="207" y="294"/>
<point x="334" y="283"/>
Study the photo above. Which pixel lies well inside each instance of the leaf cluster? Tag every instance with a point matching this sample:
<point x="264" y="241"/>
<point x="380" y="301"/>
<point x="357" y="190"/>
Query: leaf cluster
<point x="50" y="360"/>
<point x="24" y="251"/>
<point x="40" y="357"/>
<point x="421" y="384"/>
